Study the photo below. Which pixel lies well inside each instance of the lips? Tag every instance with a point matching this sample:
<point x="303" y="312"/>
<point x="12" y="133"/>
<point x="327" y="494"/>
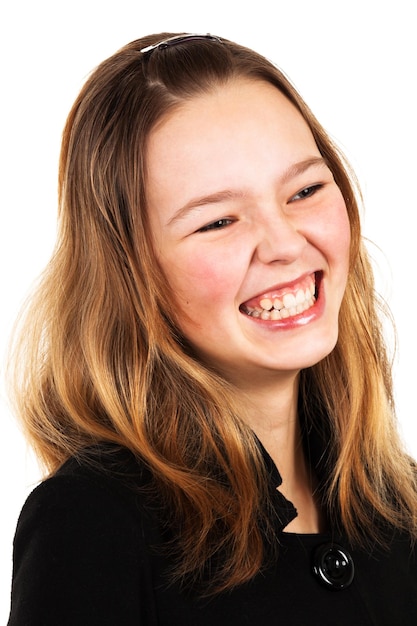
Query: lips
<point x="283" y="302"/>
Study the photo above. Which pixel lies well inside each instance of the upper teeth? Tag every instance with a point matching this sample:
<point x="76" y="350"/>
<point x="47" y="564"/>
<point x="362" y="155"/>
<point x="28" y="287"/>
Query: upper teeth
<point x="288" y="305"/>
<point x="288" y="301"/>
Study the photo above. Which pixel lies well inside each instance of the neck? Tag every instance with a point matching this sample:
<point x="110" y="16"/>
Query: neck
<point x="273" y="416"/>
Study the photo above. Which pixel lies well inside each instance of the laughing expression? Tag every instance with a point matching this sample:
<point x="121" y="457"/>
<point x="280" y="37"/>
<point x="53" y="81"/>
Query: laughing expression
<point x="250" y="230"/>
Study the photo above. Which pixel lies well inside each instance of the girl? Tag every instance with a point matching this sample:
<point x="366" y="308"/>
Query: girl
<point x="202" y="371"/>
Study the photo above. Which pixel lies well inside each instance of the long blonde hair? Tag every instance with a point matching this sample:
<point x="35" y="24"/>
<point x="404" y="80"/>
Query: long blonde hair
<point x="100" y="359"/>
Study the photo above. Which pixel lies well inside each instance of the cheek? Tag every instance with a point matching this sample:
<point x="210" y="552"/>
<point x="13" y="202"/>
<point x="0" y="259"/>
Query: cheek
<point x="332" y="234"/>
<point x="342" y="236"/>
<point x="201" y="278"/>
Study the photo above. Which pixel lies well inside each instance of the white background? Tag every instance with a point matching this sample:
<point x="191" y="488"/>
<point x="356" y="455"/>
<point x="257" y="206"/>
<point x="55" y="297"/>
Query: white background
<point x="355" y="64"/>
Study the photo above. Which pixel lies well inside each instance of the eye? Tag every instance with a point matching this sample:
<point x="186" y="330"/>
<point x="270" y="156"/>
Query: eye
<point x="306" y="192"/>
<point x="218" y="224"/>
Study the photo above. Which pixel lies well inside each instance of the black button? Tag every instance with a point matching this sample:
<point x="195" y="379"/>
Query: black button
<point x="333" y="566"/>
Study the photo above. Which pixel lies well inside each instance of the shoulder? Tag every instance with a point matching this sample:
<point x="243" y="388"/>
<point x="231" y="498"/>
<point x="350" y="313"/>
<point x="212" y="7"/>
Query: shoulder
<point x="81" y="491"/>
<point x="83" y="535"/>
<point x="86" y="499"/>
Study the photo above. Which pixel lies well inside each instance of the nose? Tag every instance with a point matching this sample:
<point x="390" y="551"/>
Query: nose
<point x="280" y="239"/>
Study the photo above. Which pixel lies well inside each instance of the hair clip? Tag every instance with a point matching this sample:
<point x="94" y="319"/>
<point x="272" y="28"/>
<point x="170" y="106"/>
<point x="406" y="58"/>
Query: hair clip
<point x="177" y="39"/>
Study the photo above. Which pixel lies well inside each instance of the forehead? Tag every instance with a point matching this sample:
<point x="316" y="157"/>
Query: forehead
<point x="223" y="108"/>
<point x="218" y="137"/>
<point x="236" y="98"/>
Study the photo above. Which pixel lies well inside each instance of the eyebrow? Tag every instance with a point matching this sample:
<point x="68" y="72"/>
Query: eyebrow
<point x="230" y="194"/>
<point x="301" y="167"/>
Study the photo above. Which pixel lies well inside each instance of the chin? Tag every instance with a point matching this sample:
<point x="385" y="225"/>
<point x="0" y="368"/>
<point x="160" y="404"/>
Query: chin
<point x="321" y="351"/>
<point x="313" y="350"/>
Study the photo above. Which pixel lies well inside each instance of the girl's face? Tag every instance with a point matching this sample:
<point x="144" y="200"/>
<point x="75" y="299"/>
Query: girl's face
<point x="250" y="230"/>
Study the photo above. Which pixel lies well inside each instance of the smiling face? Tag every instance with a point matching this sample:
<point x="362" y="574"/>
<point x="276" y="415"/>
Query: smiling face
<point x="250" y="230"/>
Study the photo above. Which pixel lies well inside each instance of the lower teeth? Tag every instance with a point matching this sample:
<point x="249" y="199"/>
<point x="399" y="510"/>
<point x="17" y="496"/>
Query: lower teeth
<point x="283" y="313"/>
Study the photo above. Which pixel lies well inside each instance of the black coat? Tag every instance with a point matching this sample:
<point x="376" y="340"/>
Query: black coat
<point x="86" y="552"/>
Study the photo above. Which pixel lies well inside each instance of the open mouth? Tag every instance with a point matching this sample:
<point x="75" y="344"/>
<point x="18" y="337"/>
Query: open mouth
<point x="286" y="302"/>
